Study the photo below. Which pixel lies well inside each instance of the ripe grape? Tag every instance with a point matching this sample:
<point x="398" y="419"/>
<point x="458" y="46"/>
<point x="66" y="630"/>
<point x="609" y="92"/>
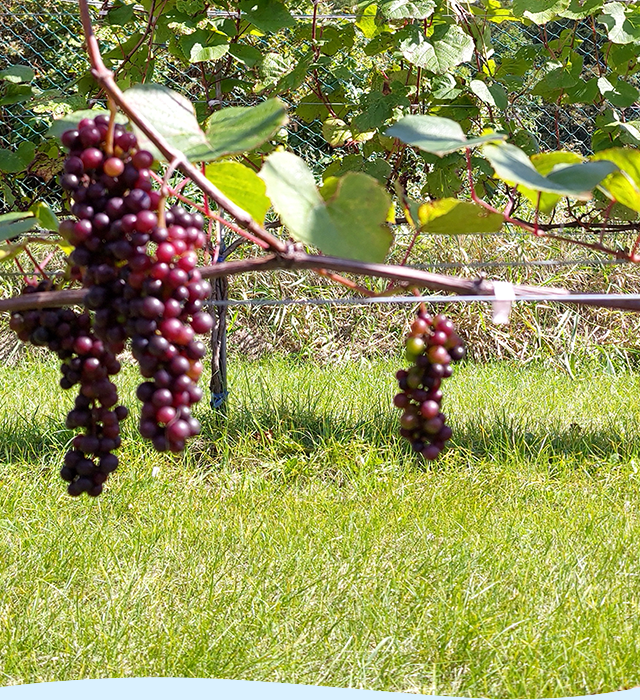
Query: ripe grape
<point x="431" y="346"/>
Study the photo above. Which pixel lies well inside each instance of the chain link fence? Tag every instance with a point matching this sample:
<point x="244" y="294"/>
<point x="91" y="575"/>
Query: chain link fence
<point x="47" y="36"/>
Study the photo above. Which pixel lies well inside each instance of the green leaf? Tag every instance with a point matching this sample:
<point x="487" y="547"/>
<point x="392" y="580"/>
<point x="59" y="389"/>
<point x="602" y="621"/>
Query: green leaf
<point x="451" y="216"/>
<point x="350" y="224"/>
<point x="336" y="132"/>
<point x="15" y="161"/>
<point x="623" y="186"/>
<point x="16" y="94"/>
<point x="544" y="163"/>
<point x="623" y="27"/>
<point x="436" y="135"/>
<point x="621" y="94"/>
<point x="14" y="223"/>
<point x="407" y="9"/>
<point x="45" y="216"/>
<point x="121" y="15"/>
<point x="70" y="121"/>
<point x="246" y="54"/>
<point x="17" y="74"/>
<point x="242" y="186"/>
<point x="174" y="117"/>
<point x="354" y="162"/>
<point x="539" y="11"/>
<point x="294" y="79"/>
<point x="267" y="15"/>
<point x="204" y="45"/>
<point x="377" y="109"/>
<point x="238" y="129"/>
<point x="449" y="47"/>
<point x="514" y="167"/>
<point x="581" y="9"/>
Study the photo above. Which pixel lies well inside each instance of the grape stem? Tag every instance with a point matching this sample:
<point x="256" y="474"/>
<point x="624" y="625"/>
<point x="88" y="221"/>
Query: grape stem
<point x="298" y="260"/>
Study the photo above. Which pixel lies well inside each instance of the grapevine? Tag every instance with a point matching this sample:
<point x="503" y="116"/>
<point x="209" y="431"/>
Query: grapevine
<point x="431" y="346"/>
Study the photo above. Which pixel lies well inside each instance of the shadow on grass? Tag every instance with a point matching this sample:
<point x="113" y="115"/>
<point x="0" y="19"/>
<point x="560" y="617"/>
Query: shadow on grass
<point x="502" y="438"/>
<point x="281" y="431"/>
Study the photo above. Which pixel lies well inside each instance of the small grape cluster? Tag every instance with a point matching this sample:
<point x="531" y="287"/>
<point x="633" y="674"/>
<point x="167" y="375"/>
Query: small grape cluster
<point x="431" y="347"/>
<point x="87" y="362"/>
<point x="138" y="265"/>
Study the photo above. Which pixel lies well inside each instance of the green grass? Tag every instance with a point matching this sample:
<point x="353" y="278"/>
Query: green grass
<point x="303" y="544"/>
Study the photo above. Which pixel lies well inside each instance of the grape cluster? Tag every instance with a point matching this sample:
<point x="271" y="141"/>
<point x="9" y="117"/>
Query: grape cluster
<point x="163" y="321"/>
<point x="431" y="347"/>
<point x="139" y="268"/>
<point x="89" y="363"/>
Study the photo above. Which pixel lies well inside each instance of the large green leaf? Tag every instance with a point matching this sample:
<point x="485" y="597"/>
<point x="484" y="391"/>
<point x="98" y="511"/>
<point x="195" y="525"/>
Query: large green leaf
<point x="45" y="216"/>
<point x="447" y="48"/>
<point x="203" y="45"/>
<point x="544" y="163"/>
<point x="436" y="135"/>
<point x="581" y="9"/>
<point x="174" y="117"/>
<point x="350" y="224"/>
<point x="238" y="129"/>
<point x="336" y="132"/>
<point x="17" y="74"/>
<point x="623" y="186"/>
<point x="539" y="11"/>
<point x="514" y="167"/>
<point x="15" y="161"/>
<point x="14" y="223"/>
<point x="620" y="94"/>
<point x="242" y="186"/>
<point x="451" y="216"/>
<point x="267" y="15"/>
<point x="407" y="9"/>
<point x="623" y="26"/>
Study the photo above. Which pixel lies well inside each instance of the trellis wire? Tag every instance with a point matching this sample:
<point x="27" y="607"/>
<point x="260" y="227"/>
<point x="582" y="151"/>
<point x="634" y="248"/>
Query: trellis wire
<point x="431" y="299"/>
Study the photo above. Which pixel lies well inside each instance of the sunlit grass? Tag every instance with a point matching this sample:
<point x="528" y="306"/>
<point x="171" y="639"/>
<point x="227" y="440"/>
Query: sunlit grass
<point x="302" y="543"/>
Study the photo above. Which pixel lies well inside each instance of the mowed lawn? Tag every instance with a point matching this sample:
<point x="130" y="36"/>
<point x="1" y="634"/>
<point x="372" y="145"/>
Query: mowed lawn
<point x="302" y="543"/>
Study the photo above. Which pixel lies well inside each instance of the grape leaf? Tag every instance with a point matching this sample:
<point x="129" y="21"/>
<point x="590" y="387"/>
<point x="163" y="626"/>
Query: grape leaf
<point x="351" y="223"/>
<point x="544" y="163"/>
<point x="622" y="27"/>
<point x="621" y="94"/>
<point x="336" y="132"/>
<point x="17" y="74"/>
<point x="623" y="186"/>
<point x="14" y="223"/>
<point x="242" y="186"/>
<point x="451" y="216"/>
<point x="448" y="47"/>
<point x="407" y="9"/>
<point x="15" y="161"/>
<point x="267" y="15"/>
<point x="239" y="129"/>
<point x="436" y="135"/>
<point x="45" y="216"/>
<point x="514" y="167"/>
<point x="174" y="117"/>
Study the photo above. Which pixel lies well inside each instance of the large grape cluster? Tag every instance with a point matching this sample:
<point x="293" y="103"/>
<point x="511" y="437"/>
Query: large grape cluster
<point x="139" y="268"/>
<point x="87" y="362"/>
<point x="431" y="347"/>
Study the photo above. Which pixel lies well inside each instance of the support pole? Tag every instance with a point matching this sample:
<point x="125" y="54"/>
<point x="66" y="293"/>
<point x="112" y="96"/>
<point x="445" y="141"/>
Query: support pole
<point x="218" y="384"/>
